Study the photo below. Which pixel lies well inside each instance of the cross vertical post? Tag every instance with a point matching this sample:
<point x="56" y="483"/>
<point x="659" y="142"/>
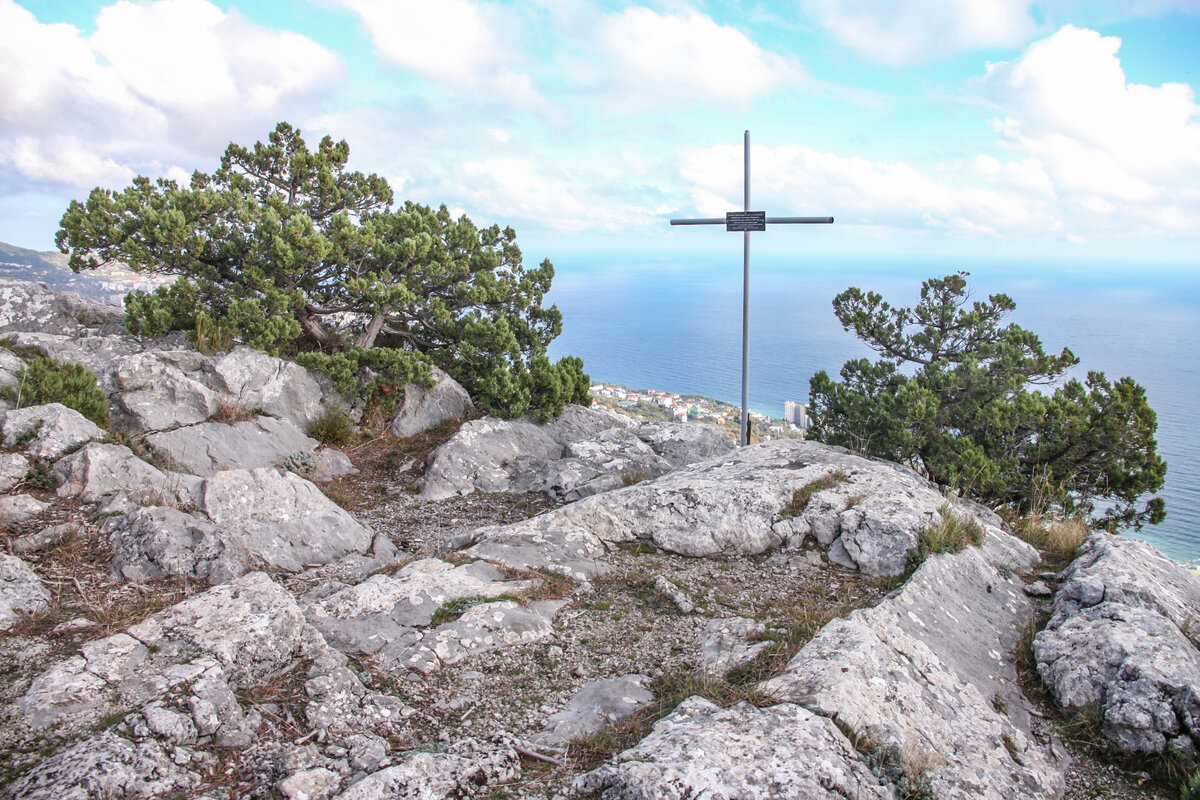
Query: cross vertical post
<point x="746" y="222"/>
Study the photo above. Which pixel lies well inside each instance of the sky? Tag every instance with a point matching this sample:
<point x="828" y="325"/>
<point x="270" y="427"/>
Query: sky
<point x="1065" y="130"/>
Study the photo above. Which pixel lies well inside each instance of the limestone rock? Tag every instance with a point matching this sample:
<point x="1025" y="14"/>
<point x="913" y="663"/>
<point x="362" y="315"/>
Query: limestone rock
<point x="28" y="306"/>
<point x="21" y="591"/>
<point x="423" y="408"/>
<point x="1134" y="665"/>
<point x="13" y="468"/>
<point x="45" y="538"/>
<point x="738" y="753"/>
<point x="581" y="453"/>
<point x="594" y="707"/>
<point x="154" y="542"/>
<point x="467" y="768"/>
<point x="280" y="518"/>
<point x="484" y="627"/>
<point x="105" y="765"/>
<point x="11" y="367"/>
<point x="1118" y="569"/>
<point x="209" y="447"/>
<point x="100" y="470"/>
<point x="237" y="635"/>
<point x="919" y="673"/>
<point x="18" y="508"/>
<point x="310" y="784"/>
<point x="1122" y="639"/>
<point x="277" y="387"/>
<point x="58" y="429"/>
<point x="161" y="390"/>
<point x="383" y="609"/>
<point x="727" y="643"/>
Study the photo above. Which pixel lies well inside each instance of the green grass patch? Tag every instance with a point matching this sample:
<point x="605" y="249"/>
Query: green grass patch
<point x="952" y="535"/>
<point x="805" y="493"/>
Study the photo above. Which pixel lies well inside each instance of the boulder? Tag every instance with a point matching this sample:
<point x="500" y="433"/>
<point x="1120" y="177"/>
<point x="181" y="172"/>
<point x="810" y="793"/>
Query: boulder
<point x="1122" y="640"/>
<point x="55" y="429"/>
<point x="13" y="468"/>
<point x="580" y="453"/>
<point x="28" y="306"/>
<point x="385" y="608"/>
<point x="738" y="753"/>
<point x="481" y="628"/>
<point x="1132" y="664"/>
<point x="280" y="519"/>
<point x="194" y="655"/>
<point x="465" y="769"/>
<point x="424" y="408"/>
<point x="11" y="368"/>
<point x="100" y="470"/>
<point x="161" y="390"/>
<point x="925" y="675"/>
<point x="597" y="705"/>
<point x="154" y="542"/>
<point x="18" y="508"/>
<point x="255" y="380"/>
<point x="1119" y="569"/>
<point x="22" y="592"/>
<point x="210" y="447"/>
<point x="105" y="765"/>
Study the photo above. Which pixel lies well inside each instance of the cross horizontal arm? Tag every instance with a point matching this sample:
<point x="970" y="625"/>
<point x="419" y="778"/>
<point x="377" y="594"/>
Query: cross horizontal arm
<point x="770" y="221"/>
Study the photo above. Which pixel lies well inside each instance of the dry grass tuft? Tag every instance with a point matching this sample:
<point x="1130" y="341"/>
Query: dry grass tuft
<point x="805" y="493"/>
<point x="230" y="412"/>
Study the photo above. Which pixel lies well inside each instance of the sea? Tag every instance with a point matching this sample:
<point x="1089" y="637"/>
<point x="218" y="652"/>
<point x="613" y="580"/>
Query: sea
<point x="676" y="325"/>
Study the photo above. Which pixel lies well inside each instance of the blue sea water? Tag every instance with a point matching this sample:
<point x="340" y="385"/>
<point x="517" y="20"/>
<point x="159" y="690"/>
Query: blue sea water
<point x="677" y="326"/>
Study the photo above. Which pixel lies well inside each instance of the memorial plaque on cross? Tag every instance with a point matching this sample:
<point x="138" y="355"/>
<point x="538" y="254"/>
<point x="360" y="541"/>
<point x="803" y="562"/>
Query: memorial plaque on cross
<point x="747" y="222"/>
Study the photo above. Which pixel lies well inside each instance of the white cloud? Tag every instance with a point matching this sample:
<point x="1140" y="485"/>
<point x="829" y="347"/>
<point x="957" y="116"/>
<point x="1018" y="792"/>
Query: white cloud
<point x="900" y="32"/>
<point x="155" y="84"/>
<point x="799" y="181"/>
<point x="668" y="60"/>
<point x="1105" y="143"/>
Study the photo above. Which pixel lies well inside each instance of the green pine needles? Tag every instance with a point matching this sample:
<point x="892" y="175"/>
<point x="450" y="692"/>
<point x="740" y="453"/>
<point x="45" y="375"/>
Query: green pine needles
<point x="47" y="380"/>
<point x="957" y="395"/>
<point x="286" y="250"/>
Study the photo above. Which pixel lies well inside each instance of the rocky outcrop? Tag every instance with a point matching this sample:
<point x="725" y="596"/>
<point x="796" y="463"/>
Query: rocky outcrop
<point x="596" y="706"/>
<point x="243" y="519"/>
<point x="742" y="504"/>
<point x="1122" y="640"/>
<point x="26" y="306"/>
<point x="427" y="407"/>
<point x="739" y="753"/>
<point x="22" y="593"/>
<point x="467" y="767"/>
<point x="579" y="454"/>
<point x="210" y="447"/>
<point x="48" y="431"/>
<point x="929" y="676"/>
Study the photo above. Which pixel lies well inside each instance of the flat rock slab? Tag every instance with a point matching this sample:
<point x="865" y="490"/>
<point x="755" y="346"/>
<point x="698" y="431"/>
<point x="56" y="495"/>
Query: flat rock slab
<point x="18" y="508"/>
<point x="1122" y="638"/>
<point x="597" y="705"/>
<point x="210" y="447"/>
<point x="54" y="427"/>
<point x="231" y="637"/>
<point x="386" y="608"/>
<point x="728" y="643"/>
<point x="22" y="592"/>
<point x="923" y="675"/>
<point x="581" y="453"/>
<point x="105" y="765"/>
<point x="481" y="628"/>
<point x="738" y="753"/>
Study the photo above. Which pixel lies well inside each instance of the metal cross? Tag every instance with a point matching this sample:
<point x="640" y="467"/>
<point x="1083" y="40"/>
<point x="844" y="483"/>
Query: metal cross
<point x="746" y="222"/>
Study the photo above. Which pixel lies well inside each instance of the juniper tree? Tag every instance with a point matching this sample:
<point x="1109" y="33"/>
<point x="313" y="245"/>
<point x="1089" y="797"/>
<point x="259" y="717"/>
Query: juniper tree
<point x="979" y="405"/>
<point x="295" y="254"/>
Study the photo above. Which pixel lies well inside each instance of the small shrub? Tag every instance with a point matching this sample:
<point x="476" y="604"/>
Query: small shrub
<point x="1190" y="790"/>
<point x="805" y="493"/>
<point x="334" y="428"/>
<point x="230" y="412"/>
<point x="951" y="535"/>
<point x="48" y="380"/>
<point x="210" y="335"/>
<point x="631" y="476"/>
<point x="40" y="476"/>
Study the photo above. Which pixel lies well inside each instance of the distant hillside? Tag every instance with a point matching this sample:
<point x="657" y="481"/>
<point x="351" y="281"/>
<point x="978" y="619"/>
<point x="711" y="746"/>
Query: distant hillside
<point x="109" y="284"/>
